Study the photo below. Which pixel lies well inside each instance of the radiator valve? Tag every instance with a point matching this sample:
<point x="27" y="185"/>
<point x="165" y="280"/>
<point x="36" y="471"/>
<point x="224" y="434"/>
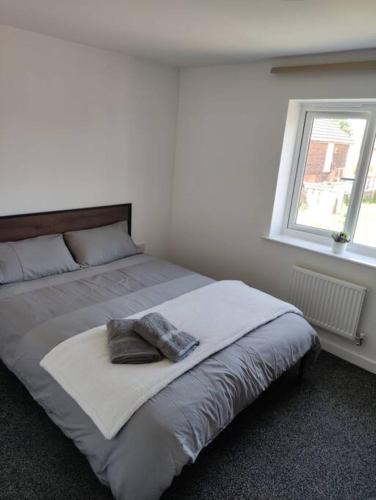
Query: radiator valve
<point x="359" y="337"/>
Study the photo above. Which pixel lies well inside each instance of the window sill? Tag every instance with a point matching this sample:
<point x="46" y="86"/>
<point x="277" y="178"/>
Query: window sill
<point x="355" y="258"/>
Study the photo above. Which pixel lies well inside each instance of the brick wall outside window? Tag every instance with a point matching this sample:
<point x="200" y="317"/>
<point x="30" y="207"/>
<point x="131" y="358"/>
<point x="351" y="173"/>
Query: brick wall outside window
<point x="316" y="160"/>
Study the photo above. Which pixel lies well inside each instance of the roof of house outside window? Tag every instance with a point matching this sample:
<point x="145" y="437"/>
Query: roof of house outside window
<point x="330" y="130"/>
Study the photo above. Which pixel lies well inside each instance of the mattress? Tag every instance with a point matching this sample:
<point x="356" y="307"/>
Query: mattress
<point x="170" y="429"/>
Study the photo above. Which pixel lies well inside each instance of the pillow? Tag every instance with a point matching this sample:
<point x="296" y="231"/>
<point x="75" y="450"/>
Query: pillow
<point x="34" y="258"/>
<point x="101" y="245"/>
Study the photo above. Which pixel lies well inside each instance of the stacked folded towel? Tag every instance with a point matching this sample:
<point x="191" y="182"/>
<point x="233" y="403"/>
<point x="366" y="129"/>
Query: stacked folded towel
<point x="145" y="340"/>
<point x="159" y="332"/>
<point x="126" y="346"/>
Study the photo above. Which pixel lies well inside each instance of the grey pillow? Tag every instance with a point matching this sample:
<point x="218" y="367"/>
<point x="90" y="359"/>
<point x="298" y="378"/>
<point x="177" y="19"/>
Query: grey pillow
<point x="100" y="245"/>
<point x="34" y="258"/>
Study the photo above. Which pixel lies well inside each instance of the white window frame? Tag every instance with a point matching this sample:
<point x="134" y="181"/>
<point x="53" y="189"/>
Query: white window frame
<point x="329" y="109"/>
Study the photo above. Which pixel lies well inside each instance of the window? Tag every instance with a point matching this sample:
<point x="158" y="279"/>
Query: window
<point x="333" y="174"/>
<point x="365" y="231"/>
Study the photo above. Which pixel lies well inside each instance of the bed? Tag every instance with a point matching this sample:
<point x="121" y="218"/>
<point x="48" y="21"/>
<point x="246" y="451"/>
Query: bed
<point x="172" y="427"/>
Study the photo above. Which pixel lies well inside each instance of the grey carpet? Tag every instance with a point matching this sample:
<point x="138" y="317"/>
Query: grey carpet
<point x="316" y="440"/>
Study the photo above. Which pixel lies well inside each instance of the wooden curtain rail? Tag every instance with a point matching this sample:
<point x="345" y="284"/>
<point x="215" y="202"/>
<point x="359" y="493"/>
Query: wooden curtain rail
<point x="316" y="68"/>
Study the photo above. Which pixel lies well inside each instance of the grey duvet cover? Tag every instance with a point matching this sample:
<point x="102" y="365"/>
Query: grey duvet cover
<point x="169" y="430"/>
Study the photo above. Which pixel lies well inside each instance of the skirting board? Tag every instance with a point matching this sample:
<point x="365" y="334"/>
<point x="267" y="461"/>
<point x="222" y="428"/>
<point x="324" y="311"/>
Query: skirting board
<point x="350" y="356"/>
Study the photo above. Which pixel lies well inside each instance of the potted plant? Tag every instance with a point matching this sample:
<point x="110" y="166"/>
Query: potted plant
<point x="340" y="241"/>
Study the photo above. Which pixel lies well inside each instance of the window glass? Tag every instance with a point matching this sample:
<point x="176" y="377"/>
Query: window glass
<point x="329" y="172"/>
<point x="365" y="233"/>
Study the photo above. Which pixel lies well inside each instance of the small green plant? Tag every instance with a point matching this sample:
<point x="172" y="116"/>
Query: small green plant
<point x="341" y="237"/>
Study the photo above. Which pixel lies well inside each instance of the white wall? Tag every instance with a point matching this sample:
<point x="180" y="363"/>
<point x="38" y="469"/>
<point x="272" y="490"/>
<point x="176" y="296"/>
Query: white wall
<point x="230" y="129"/>
<point x="81" y="127"/>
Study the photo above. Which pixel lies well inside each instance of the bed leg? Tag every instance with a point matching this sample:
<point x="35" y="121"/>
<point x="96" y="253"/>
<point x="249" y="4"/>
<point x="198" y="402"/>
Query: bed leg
<point x="301" y="368"/>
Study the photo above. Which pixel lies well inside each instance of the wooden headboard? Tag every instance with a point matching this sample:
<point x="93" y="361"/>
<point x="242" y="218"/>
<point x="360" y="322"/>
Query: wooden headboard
<point x="19" y="227"/>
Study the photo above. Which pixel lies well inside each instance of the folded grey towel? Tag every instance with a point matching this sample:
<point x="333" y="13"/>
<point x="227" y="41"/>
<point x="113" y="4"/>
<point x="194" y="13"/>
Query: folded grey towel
<point x="126" y="346"/>
<point x="159" y="332"/>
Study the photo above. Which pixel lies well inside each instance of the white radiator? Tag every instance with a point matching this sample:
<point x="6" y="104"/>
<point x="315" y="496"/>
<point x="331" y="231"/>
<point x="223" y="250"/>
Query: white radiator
<point x="332" y="304"/>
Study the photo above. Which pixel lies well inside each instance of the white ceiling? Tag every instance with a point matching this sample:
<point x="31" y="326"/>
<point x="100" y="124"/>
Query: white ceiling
<point x="197" y="32"/>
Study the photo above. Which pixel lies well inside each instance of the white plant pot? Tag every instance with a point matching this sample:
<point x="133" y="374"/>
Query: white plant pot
<point x="338" y="248"/>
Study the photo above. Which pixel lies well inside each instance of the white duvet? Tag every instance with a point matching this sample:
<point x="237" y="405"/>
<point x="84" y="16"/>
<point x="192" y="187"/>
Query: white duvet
<point x="217" y="314"/>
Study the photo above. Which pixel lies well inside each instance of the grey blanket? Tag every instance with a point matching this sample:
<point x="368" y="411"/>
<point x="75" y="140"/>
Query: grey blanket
<point x="159" y="332"/>
<point x="126" y="346"/>
<point x="169" y="430"/>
